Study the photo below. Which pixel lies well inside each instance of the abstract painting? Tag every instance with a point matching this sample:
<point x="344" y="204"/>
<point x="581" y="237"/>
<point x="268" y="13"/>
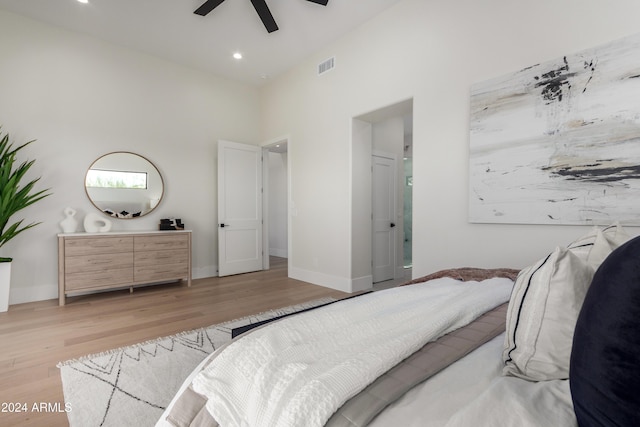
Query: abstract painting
<point x="559" y="142"/>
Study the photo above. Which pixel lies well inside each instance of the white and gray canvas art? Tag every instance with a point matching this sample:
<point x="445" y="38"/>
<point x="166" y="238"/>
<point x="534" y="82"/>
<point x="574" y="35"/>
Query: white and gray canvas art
<point x="559" y="142"/>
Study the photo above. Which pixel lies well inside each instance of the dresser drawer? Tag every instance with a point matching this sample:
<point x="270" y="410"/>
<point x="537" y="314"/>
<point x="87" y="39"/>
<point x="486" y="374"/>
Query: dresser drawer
<point x="156" y="243"/>
<point x="98" y="279"/>
<point x="99" y="245"/>
<point x="97" y="262"/>
<point x="155" y="273"/>
<point x="148" y="258"/>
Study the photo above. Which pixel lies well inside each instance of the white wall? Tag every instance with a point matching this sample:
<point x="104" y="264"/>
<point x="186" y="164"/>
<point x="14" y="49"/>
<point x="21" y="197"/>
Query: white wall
<point x="81" y="98"/>
<point x="361" y="239"/>
<point x="431" y="51"/>
<point x="388" y="135"/>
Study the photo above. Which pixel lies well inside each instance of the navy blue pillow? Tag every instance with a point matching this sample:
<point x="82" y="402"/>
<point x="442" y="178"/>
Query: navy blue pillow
<point x="605" y="360"/>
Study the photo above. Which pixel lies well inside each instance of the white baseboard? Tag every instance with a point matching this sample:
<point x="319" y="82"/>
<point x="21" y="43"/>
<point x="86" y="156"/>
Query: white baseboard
<point x="332" y="282"/>
<point x="321" y="279"/>
<point x="363" y="283"/>
<point x="204" y="272"/>
<point x="33" y="293"/>
<point x="282" y="253"/>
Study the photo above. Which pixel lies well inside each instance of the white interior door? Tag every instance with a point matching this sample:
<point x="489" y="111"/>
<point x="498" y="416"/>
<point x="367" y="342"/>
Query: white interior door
<point x="384" y="217"/>
<point x="239" y="208"/>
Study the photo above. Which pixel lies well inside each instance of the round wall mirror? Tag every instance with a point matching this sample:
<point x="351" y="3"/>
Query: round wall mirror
<point x="124" y="185"/>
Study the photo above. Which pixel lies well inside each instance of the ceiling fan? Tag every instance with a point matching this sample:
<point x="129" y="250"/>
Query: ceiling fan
<point x="259" y="5"/>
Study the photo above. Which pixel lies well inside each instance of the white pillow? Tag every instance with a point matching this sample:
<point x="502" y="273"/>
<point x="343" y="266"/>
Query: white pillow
<point x="597" y="244"/>
<point x="605" y="242"/>
<point x="542" y="315"/>
<point x="583" y="245"/>
<point x="601" y="249"/>
<point x="615" y="235"/>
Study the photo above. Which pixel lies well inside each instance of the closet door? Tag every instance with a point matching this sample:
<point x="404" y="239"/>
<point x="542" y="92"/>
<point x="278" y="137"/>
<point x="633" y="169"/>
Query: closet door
<point x="384" y="217"/>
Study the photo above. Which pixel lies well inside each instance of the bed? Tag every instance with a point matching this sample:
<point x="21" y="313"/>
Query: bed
<point x="460" y="347"/>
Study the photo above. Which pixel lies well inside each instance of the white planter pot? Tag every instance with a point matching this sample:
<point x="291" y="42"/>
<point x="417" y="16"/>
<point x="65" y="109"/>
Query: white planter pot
<point x="5" y="283"/>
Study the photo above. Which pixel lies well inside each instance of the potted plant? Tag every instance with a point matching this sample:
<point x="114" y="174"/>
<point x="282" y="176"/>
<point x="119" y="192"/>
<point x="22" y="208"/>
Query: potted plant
<point x="13" y="198"/>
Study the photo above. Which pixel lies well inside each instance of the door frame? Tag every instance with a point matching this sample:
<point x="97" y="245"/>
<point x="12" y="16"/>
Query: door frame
<point x="265" y="201"/>
<point x="361" y="147"/>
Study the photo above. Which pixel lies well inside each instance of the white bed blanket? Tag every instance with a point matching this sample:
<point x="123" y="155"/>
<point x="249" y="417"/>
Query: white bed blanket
<point x="300" y="370"/>
<point x="473" y="392"/>
<point x="513" y="401"/>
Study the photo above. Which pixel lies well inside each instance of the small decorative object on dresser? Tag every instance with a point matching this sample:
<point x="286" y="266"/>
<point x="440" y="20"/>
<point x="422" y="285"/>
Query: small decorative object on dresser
<point x="171" y="224"/>
<point x="96" y="261"/>
<point x="94" y="223"/>
<point x="69" y="224"/>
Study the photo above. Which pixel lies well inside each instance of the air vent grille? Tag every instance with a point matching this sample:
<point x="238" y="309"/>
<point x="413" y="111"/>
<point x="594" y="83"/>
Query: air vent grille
<point x="327" y="65"/>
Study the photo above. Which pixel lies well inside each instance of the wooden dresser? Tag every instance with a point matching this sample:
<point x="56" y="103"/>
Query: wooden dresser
<point x="115" y="260"/>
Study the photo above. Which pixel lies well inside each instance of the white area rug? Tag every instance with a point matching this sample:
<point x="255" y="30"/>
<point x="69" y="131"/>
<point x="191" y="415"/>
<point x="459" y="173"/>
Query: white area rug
<point x="131" y="386"/>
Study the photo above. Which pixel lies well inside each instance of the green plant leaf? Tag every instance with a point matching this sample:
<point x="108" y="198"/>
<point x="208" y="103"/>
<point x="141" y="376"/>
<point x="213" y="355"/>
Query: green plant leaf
<point x="13" y="196"/>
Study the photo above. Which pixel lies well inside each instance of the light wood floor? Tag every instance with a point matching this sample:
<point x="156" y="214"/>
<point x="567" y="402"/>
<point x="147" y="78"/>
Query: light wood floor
<point x="36" y="336"/>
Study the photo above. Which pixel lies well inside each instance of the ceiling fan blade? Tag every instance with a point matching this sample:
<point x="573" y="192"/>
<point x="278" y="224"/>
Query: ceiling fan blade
<point x="265" y="15"/>
<point x="207" y="7"/>
<point x="322" y="2"/>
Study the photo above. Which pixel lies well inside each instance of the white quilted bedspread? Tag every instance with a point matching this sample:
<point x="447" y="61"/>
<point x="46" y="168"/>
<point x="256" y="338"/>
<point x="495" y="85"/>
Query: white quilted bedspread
<point x="300" y="370"/>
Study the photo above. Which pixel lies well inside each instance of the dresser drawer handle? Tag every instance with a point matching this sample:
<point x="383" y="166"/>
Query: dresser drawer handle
<point x="110" y="278"/>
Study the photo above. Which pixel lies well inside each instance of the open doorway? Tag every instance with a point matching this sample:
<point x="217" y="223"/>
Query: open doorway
<point x="276" y="196"/>
<point x="389" y="130"/>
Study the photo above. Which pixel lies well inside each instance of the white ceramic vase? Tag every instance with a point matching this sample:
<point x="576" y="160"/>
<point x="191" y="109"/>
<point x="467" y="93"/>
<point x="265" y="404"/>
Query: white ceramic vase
<point x="69" y="224"/>
<point x="5" y="285"/>
<point x="94" y="223"/>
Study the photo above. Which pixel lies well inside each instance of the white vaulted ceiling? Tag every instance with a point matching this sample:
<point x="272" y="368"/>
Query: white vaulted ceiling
<point x="169" y="29"/>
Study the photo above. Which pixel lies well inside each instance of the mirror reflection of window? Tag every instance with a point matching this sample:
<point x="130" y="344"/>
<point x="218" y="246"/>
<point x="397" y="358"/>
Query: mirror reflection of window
<point x="124" y="185"/>
<point x="99" y="178"/>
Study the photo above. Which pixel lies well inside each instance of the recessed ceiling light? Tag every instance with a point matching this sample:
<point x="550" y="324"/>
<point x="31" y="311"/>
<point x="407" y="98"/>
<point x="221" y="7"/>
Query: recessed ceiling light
<point x="237" y="55"/>
<point x="83" y="1"/>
